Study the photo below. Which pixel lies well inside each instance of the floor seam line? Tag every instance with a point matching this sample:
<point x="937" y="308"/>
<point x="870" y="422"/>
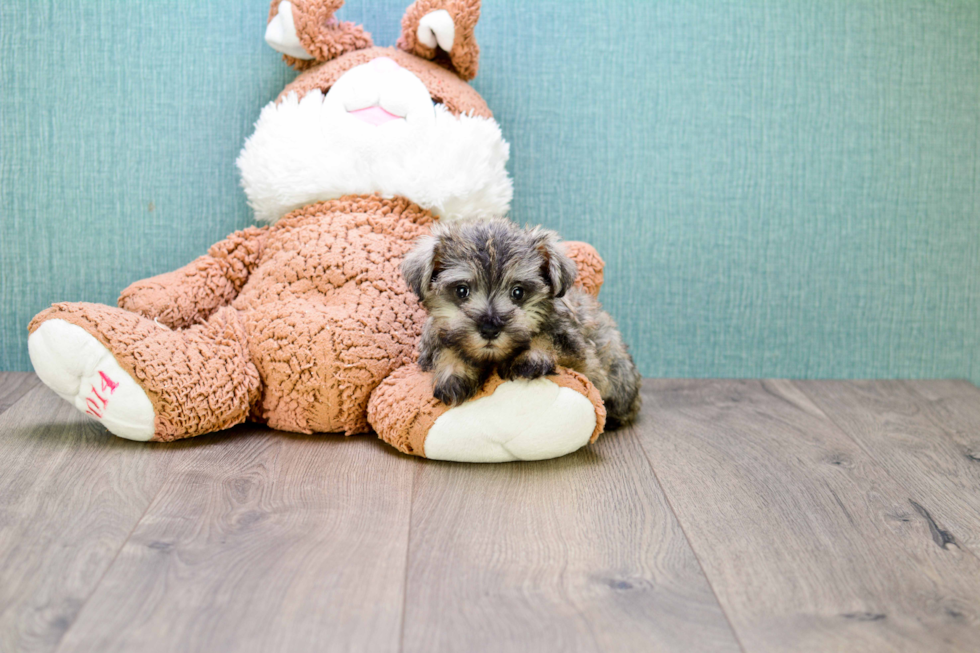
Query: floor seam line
<point x="690" y="545"/>
<point x="21" y="398"/>
<point x="115" y="557"/>
<point x="408" y="558"/>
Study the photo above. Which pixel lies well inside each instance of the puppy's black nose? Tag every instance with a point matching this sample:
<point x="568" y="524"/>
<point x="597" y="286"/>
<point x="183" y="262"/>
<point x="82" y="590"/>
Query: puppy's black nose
<point x="489" y="331"/>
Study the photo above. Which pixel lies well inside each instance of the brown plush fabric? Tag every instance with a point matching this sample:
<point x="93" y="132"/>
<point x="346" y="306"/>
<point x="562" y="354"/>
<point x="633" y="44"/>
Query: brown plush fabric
<point x="464" y="58"/>
<point x="199" y="379"/>
<point x="320" y="34"/>
<point x="589" y="264"/>
<point x="442" y="84"/>
<point x="402" y="409"/>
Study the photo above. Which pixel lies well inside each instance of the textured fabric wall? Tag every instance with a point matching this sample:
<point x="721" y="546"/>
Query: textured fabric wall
<point x="779" y="188"/>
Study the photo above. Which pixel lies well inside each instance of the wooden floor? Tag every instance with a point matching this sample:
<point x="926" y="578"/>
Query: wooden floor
<point x="737" y="516"/>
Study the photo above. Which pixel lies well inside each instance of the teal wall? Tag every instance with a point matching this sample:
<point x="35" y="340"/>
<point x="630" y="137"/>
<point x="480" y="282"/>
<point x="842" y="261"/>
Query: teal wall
<point x="781" y="188"/>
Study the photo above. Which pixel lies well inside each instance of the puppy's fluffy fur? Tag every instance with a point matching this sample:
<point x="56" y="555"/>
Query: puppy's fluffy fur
<point x="502" y="296"/>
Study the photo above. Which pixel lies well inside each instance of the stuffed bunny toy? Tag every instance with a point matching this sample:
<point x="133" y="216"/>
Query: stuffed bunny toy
<point x="305" y="323"/>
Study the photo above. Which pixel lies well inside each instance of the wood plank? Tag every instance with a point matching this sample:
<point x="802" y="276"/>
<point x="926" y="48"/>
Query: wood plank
<point x="809" y="543"/>
<point x="263" y="541"/>
<point x="955" y="406"/>
<point x="925" y="433"/>
<point x="581" y="553"/>
<point x="70" y="493"/>
<point x="14" y="385"/>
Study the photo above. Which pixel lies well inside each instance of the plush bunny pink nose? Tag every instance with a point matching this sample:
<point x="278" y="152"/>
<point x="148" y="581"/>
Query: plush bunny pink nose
<point x="384" y="64"/>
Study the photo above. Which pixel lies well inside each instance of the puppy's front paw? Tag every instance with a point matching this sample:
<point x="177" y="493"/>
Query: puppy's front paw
<point x="453" y="390"/>
<point x="532" y="364"/>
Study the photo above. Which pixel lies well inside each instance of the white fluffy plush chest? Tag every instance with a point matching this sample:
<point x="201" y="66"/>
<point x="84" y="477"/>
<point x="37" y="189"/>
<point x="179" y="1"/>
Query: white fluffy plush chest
<point x="376" y="131"/>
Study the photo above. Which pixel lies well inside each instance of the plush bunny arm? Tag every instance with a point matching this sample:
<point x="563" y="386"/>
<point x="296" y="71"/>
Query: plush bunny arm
<point x="443" y="30"/>
<point x="190" y="294"/>
<point x="589" y="265"/>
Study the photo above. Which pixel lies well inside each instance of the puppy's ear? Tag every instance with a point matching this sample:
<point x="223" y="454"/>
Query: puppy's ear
<point x="419" y="266"/>
<point x="557" y="269"/>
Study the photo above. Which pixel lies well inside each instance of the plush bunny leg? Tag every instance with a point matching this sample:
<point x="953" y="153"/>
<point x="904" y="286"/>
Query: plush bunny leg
<point x="506" y="421"/>
<point x="141" y="380"/>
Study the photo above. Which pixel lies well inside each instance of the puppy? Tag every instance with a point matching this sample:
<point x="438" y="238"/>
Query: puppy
<point x="499" y="296"/>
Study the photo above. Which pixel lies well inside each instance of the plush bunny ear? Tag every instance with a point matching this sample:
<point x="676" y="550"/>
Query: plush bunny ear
<point x="442" y="30"/>
<point x="306" y="32"/>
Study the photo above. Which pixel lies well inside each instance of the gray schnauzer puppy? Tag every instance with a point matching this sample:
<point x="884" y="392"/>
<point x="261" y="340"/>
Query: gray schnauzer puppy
<point x="502" y="296"/>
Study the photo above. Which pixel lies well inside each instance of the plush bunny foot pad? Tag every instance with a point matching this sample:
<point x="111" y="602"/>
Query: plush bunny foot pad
<point x="521" y="420"/>
<point x="84" y="373"/>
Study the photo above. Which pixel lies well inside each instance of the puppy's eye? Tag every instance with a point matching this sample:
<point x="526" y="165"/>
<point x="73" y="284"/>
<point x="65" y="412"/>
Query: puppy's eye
<point x="462" y="291"/>
<point x="517" y="293"/>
